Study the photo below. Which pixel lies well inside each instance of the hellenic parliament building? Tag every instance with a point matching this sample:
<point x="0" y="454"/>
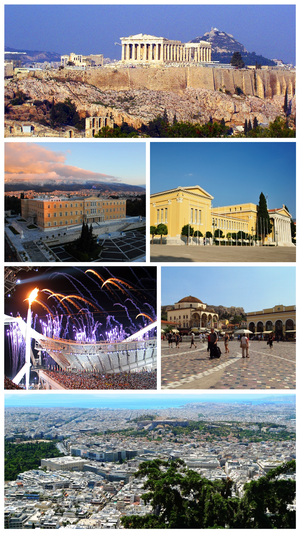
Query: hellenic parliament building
<point x="140" y="48"/>
<point x="192" y="205"/>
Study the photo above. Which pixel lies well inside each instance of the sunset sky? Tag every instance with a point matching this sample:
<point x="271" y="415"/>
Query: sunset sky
<point x="79" y="162"/>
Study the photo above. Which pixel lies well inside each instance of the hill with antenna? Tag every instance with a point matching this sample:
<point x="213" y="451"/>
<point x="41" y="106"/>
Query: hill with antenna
<point x="224" y="45"/>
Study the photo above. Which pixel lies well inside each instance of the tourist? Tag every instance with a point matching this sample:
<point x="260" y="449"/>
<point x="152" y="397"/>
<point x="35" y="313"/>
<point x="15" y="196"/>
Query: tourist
<point x="213" y="343"/>
<point x="270" y="340"/>
<point x="245" y="346"/>
<point x="193" y="340"/>
<point x="226" y="342"/>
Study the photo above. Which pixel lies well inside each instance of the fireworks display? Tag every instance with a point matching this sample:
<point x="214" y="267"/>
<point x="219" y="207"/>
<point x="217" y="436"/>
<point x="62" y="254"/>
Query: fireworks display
<point x="81" y="305"/>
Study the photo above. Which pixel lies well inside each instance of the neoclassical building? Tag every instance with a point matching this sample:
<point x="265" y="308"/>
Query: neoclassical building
<point x="50" y="212"/>
<point x="279" y="319"/>
<point x="149" y="49"/>
<point x="190" y="312"/>
<point x="192" y="205"/>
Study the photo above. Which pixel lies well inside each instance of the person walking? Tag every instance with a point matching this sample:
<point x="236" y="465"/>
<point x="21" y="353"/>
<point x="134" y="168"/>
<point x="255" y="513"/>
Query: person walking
<point x="170" y="339"/>
<point x="177" y="338"/>
<point x="226" y="342"/>
<point x="270" y="340"/>
<point x="245" y="346"/>
<point x="193" y="340"/>
<point x="213" y="343"/>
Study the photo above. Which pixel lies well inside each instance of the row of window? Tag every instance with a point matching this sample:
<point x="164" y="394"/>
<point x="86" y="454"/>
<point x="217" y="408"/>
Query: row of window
<point x="91" y="204"/>
<point x="229" y="224"/>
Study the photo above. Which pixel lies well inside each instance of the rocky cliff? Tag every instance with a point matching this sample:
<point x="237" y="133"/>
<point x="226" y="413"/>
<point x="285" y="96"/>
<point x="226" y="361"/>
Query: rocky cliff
<point x="138" y="95"/>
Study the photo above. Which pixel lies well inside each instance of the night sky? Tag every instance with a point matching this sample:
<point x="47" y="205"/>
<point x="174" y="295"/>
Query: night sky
<point x="123" y="300"/>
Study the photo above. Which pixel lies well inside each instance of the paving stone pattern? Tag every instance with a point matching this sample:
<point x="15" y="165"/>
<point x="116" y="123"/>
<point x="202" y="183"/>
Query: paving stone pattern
<point x="265" y="369"/>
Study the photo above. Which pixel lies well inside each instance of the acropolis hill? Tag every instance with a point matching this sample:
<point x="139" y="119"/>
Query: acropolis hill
<point x="141" y="86"/>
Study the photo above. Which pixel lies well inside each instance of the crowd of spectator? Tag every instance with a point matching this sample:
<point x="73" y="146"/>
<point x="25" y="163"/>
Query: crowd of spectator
<point x="89" y="380"/>
<point x="8" y="384"/>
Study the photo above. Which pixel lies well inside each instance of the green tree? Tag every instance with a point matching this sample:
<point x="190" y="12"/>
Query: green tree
<point x="198" y="233"/>
<point x="208" y="234"/>
<point x="264" y="225"/>
<point x="237" y="60"/>
<point x="161" y="230"/>
<point x="219" y="234"/>
<point x="153" y="230"/>
<point x="187" y="231"/>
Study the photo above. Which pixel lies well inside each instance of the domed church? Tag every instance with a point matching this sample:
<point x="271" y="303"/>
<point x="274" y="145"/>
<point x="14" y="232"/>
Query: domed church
<point x="190" y="312"/>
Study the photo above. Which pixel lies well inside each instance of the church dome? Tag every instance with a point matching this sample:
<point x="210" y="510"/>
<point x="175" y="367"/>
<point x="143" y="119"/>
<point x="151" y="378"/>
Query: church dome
<point x="190" y="299"/>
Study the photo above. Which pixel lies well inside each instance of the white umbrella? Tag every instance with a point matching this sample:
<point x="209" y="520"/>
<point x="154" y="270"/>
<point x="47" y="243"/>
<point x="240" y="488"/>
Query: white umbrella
<point x="241" y="331"/>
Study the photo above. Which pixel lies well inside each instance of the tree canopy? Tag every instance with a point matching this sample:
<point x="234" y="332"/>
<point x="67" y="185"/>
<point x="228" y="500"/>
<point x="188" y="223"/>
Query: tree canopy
<point x="237" y="60"/>
<point x="183" y="499"/>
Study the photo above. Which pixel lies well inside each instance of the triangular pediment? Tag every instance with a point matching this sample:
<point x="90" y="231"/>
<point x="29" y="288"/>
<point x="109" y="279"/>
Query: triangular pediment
<point x="196" y="189"/>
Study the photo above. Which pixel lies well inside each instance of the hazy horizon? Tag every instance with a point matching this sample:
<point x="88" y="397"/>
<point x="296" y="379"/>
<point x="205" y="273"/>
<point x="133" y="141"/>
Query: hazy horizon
<point x="137" y="399"/>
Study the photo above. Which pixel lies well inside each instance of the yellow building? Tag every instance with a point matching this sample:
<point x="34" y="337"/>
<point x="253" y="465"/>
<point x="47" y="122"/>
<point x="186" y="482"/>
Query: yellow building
<point x="192" y="205"/>
<point x="51" y="212"/>
<point x="190" y="312"/>
<point x="280" y="319"/>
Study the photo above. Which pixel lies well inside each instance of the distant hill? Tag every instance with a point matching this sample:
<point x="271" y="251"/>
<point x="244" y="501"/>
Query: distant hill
<point x="36" y="56"/>
<point x="96" y="187"/>
<point x="224" y="45"/>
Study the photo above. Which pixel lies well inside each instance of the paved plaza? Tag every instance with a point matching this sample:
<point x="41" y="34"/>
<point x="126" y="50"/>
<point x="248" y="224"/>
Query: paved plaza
<point x="191" y="368"/>
<point x="167" y="253"/>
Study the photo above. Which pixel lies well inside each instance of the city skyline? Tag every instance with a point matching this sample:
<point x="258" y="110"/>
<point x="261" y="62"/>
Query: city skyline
<point x="232" y="173"/>
<point x="253" y="288"/>
<point x="247" y="24"/>
<point x="63" y="163"/>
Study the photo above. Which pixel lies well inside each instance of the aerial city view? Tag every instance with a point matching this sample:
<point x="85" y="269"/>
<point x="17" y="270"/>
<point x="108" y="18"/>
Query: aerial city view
<point x="139" y="461"/>
<point x="149" y="266"/>
<point x="145" y="74"/>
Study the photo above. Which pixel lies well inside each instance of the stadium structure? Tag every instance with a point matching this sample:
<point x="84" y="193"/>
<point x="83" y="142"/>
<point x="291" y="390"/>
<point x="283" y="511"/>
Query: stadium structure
<point x="130" y="355"/>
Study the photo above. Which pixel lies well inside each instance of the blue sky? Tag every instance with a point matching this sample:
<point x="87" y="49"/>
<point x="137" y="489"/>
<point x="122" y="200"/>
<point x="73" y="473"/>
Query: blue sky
<point x="253" y="288"/>
<point x="134" y="400"/>
<point x="232" y="172"/>
<point x="268" y="30"/>
<point x="79" y="161"/>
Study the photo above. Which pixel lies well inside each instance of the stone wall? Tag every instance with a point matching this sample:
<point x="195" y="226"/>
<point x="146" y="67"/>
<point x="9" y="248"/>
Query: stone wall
<point x="262" y="83"/>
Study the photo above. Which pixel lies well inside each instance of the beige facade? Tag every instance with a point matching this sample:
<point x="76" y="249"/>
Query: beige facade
<point x="149" y="49"/>
<point x="54" y="212"/>
<point x="193" y="205"/>
<point x="279" y="319"/>
<point x="190" y="312"/>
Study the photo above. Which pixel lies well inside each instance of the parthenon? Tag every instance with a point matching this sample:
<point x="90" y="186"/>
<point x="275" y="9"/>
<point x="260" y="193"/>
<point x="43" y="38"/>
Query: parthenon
<point x="149" y="49"/>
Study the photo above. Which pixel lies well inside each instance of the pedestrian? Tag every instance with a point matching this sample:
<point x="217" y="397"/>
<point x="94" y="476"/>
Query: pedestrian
<point x="177" y="340"/>
<point x="226" y="342"/>
<point x="213" y="343"/>
<point x="204" y="242"/>
<point x="245" y="346"/>
<point x="193" y="340"/>
<point x="270" y="340"/>
<point x="208" y="342"/>
<point x="170" y="339"/>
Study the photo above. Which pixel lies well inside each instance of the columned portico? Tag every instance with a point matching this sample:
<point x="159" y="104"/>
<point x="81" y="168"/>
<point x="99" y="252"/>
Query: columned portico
<point x="281" y="231"/>
<point x="149" y="49"/>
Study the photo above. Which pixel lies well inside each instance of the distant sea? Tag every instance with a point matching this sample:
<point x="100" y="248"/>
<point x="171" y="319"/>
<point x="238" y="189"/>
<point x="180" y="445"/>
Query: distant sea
<point x="138" y="400"/>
